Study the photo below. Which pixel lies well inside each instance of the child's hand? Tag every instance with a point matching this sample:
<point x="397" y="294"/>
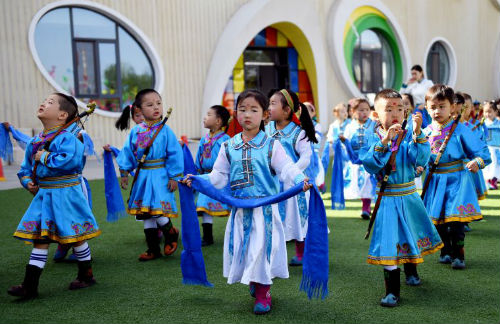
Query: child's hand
<point x="38" y="155"/>
<point x="124" y="182"/>
<point x="32" y="188"/>
<point x="417" y="123"/>
<point x="172" y="185"/>
<point x="307" y="185"/>
<point x="187" y="181"/>
<point x="107" y="147"/>
<point x="472" y="166"/>
<point x="419" y="170"/>
<point x="6" y="125"/>
<point x="393" y="131"/>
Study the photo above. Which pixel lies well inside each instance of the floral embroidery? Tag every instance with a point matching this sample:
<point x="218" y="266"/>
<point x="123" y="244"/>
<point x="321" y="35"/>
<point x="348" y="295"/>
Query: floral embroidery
<point x="166" y="206"/>
<point x="424" y="243"/>
<point x="404" y="249"/>
<point x="465" y="210"/>
<point x="32" y="226"/>
<point x="51" y="225"/>
<point x="82" y="228"/>
<point x="215" y="206"/>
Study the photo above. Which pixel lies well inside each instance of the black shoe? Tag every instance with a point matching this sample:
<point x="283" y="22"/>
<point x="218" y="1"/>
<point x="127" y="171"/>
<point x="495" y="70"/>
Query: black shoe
<point x="208" y="238"/>
<point x="85" y="277"/>
<point x="29" y="288"/>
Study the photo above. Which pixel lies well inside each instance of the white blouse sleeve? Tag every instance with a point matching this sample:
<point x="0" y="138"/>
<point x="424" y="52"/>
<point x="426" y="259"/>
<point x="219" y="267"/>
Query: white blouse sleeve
<point x="219" y="176"/>
<point x="303" y="148"/>
<point x="283" y="165"/>
<point x="329" y="134"/>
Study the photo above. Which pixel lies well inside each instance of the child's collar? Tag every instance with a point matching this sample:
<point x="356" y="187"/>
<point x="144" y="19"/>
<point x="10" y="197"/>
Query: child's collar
<point x="443" y="125"/>
<point x="151" y="123"/>
<point x="51" y="130"/>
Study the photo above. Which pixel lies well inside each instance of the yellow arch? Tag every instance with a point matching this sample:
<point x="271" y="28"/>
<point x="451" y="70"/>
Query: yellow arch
<point x="358" y="13"/>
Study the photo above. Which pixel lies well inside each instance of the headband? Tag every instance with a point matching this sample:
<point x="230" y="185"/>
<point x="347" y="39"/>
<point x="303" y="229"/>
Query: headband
<point x="288" y="99"/>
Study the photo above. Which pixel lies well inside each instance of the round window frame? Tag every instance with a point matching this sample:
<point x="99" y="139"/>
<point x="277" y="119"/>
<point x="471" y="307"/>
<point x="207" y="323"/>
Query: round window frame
<point x="452" y="58"/>
<point x="340" y="13"/>
<point x="121" y="20"/>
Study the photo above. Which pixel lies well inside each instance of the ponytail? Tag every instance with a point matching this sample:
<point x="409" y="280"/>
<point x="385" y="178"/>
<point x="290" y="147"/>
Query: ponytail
<point x="290" y="99"/>
<point x="124" y="121"/>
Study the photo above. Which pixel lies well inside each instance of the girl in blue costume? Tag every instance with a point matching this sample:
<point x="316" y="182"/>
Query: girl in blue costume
<point x="296" y="137"/>
<point x="334" y="130"/>
<point x="254" y="243"/>
<point x="492" y="122"/>
<point x="361" y="184"/>
<point x="59" y="211"/>
<point x="451" y="198"/>
<point x="315" y="169"/>
<point x="152" y="197"/>
<point x="216" y="120"/>
<point x="402" y="232"/>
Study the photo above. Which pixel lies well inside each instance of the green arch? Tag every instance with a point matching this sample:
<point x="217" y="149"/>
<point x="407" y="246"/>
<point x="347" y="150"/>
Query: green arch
<point x="379" y="24"/>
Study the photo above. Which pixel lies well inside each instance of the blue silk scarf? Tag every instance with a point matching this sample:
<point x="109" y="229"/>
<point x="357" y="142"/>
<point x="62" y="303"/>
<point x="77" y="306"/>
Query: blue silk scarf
<point x="112" y="192"/>
<point x="337" y="185"/>
<point x="6" y="149"/>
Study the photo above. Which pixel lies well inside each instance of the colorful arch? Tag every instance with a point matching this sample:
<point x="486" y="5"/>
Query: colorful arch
<point x="367" y="17"/>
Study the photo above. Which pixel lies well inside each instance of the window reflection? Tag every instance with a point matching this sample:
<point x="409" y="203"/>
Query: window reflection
<point x="438" y="64"/>
<point x="85" y="68"/>
<point x="89" y="24"/>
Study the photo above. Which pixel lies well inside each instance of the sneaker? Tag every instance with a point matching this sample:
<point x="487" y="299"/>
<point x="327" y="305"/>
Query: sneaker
<point x="295" y="261"/>
<point x="365" y="215"/>
<point x="458" y="264"/>
<point x="413" y="281"/>
<point x="389" y="301"/>
<point x="80" y="284"/>
<point x="445" y="259"/>
<point x="261" y="309"/>
<point x="148" y="256"/>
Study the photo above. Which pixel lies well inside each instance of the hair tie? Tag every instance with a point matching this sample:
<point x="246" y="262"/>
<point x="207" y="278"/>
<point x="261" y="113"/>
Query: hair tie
<point x="288" y="99"/>
<point x="295" y="119"/>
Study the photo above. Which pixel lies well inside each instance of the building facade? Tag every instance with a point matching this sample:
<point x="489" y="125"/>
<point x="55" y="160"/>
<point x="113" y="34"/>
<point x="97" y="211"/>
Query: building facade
<point x="198" y="53"/>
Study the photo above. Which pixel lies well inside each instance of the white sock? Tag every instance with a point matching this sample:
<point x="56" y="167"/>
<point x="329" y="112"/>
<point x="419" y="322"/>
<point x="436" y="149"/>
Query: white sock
<point x="38" y="257"/>
<point x="207" y="219"/>
<point x="150" y="223"/>
<point x="82" y="252"/>
<point x="390" y="268"/>
<point x="162" y="221"/>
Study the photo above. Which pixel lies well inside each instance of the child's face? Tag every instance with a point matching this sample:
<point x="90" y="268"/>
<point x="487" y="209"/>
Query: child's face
<point x="489" y="113"/>
<point x="49" y="110"/>
<point x="362" y="112"/>
<point x="340" y="113"/>
<point x="439" y="110"/>
<point x="137" y="117"/>
<point x="250" y="114"/>
<point x="407" y="105"/>
<point x="390" y="111"/>
<point x="151" y="106"/>
<point x="468" y="110"/>
<point x="211" y="120"/>
<point x="276" y="109"/>
<point x="310" y="109"/>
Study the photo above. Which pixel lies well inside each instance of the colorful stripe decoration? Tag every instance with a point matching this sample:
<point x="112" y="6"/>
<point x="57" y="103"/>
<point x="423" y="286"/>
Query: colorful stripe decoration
<point x="367" y="17"/>
<point x="271" y="37"/>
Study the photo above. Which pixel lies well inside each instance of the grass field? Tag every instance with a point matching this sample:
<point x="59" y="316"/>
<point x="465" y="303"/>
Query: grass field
<point x="129" y="291"/>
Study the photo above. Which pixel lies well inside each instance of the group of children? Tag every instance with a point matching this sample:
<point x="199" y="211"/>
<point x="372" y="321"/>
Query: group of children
<point x="277" y="149"/>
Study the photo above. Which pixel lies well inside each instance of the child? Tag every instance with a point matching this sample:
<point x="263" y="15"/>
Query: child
<point x="402" y="232"/>
<point x="250" y="162"/>
<point x="296" y="137"/>
<point x="451" y="198"/>
<point x="334" y="130"/>
<point x="216" y="120"/>
<point x="151" y="198"/>
<point x="59" y="211"/>
<point x="492" y="122"/>
<point x="315" y="169"/>
<point x="361" y="184"/>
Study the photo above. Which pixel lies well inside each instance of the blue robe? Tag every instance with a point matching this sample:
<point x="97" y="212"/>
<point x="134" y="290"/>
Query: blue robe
<point x="493" y="141"/>
<point x="402" y="232"/>
<point x="59" y="211"/>
<point x="478" y="178"/>
<point x="451" y="195"/>
<point x="205" y="158"/>
<point x="150" y="196"/>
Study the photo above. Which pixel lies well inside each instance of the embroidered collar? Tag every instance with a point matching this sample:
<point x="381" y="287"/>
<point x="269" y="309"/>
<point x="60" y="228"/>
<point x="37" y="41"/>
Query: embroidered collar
<point x="50" y="130"/>
<point x="150" y="124"/>
<point x="437" y="126"/>
<point x="257" y="142"/>
<point x="285" y="132"/>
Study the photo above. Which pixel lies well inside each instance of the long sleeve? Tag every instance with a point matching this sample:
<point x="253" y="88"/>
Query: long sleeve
<point x="303" y="148"/>
<point x="126" y="159"/>
<point x="175" y="158"/>
<point x="329" y="134"/>
<point x="474" y="147"/>
<point x="284" y="167"/>
<point x="63" y="154"/>
<point x="24" y="173"/>
<point x="198" y="155"/>
<point x="374" y="155"/>
<point x="219" y="177"/>
<point x="419" y="149"/>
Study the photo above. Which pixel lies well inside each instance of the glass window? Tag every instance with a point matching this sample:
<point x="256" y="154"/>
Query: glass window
<point x="89" y="24"/>
<point x="92" y="57"/>
<point x="438" y="64"/>
<point x="373" y="62"/>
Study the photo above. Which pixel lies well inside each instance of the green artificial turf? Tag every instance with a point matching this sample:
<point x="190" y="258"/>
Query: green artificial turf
<point x="129" y="291"/>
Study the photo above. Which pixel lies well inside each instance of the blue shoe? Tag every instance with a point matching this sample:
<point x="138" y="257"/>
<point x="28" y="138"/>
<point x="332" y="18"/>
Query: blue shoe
<point x="251" y="287"/>
<point x="389" y="301"/>
<point x="260" y="309"/>
<point x="295" y="262"/>
<point x="446" y="259"/>
<point x="61" y="253"/>
<point x="413" y="281"/>
<point x="458" y="264"/>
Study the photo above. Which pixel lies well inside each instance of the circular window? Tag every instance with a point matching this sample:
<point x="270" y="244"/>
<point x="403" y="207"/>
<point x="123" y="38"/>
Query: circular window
<point x="367" y="46"/>
<point x="440" y="62"/>
<point x="91" y="56"/>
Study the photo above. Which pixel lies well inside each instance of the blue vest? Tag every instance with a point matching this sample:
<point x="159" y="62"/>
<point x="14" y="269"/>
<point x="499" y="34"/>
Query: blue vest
<point x="287" y="136"/>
